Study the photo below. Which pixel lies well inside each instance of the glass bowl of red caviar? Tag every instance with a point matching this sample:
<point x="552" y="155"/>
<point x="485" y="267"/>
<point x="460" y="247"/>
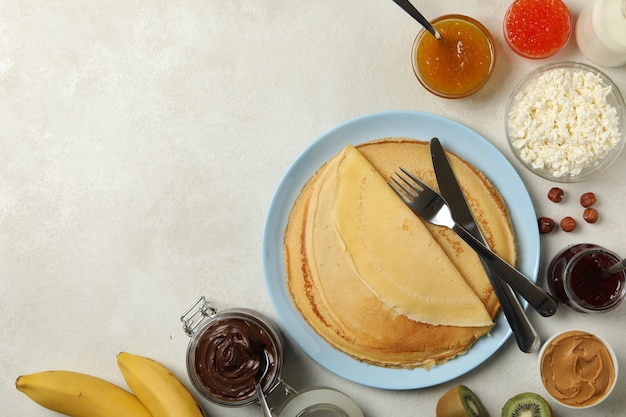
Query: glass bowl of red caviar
<point x="460" y="63"/>
<point x="537" y="29"/>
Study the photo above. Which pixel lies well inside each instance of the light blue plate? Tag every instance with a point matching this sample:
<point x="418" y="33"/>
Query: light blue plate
<point x="466" y="143"/>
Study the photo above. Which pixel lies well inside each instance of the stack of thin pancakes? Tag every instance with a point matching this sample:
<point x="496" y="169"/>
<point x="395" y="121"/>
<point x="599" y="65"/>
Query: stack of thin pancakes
<point x="373" y="279"/>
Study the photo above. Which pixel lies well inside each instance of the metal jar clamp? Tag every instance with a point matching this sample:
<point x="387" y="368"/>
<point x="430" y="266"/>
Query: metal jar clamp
<point x="202" y="322"/>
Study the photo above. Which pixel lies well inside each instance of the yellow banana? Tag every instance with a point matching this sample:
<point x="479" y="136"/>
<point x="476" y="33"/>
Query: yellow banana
<point x="80" y="395"/>
<point x="161" y="391"/>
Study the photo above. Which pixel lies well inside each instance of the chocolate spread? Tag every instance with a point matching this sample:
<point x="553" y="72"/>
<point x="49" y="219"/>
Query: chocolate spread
<point x="577" y="369"/>
<point x="228" y="356"/>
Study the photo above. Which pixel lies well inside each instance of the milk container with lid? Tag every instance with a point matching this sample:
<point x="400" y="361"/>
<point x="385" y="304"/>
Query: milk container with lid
<point x="601" y="32"/>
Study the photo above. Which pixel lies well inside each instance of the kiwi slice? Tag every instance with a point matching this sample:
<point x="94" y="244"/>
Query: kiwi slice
<point x="527" y="404"/>
<point x="460" y="401"/>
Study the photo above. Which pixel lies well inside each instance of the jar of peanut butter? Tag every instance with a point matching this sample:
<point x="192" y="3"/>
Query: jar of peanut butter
<point x="232" y="351"/>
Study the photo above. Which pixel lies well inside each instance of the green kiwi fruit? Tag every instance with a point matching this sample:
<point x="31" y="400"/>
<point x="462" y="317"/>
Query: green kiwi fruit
<point x="460" y="401"/>
<point x="527" y="404"/>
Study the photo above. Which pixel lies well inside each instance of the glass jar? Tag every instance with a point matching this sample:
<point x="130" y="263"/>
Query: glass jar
<point x="601" y="32"/>
<point x="446" y="70"/>
<point x="233" y="350"/>
<point x="576" y="278"/>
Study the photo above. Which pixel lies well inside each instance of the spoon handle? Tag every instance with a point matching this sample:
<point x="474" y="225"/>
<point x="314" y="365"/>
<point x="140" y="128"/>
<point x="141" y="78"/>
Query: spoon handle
<point x="262" y="401"/>
<point x="618" y="267"/>
<point x="415" y="14"/>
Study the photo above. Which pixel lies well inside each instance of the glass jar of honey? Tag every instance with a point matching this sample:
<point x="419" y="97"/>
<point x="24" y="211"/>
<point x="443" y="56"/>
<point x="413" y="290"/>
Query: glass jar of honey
<point x="577" y="278"/>
<point x="460" y="63"/>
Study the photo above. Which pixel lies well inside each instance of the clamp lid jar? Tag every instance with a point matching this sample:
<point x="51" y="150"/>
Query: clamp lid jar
<point x="233" y="350"/>
<point x="230" y="352"/>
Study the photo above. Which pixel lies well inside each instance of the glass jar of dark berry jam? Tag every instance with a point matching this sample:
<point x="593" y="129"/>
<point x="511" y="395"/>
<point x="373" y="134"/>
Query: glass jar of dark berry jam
<point x="577" y="279"/>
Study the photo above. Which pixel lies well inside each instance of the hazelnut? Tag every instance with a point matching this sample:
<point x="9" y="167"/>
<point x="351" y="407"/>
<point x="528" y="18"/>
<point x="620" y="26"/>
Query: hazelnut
<point x="568" y="224"/>
<point x="588" y="199"/>
<point x="546" y="225"/>
<point x="555" y="194"/>
<point x="590" y="215"/>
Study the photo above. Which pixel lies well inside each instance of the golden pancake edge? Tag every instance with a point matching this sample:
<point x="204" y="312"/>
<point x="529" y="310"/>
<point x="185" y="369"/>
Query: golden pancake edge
<point x="335" y="298"/>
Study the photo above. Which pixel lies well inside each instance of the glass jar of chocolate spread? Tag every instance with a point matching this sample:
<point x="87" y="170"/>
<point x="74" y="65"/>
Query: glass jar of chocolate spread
<point x="576" y="277"/>
<point x="233" y="350"/>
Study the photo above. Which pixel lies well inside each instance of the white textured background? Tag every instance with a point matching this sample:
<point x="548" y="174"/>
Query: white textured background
<point x="141" y="143"/>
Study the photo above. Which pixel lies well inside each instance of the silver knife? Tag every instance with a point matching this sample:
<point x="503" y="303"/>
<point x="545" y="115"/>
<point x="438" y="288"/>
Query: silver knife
<point x="525" y="335"/>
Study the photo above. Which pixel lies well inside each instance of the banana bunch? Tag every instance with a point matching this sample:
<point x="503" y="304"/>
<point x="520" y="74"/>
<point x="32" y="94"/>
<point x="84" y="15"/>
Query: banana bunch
<point x="156" y="392"/>
<point x="157" y="388"/>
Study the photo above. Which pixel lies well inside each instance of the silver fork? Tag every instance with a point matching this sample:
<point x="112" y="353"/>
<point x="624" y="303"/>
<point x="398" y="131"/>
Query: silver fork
<point x="430" y="206"/>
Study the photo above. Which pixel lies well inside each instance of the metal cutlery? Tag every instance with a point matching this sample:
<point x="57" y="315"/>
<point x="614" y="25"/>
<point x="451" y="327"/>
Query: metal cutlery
<point x="263" y="368"/>
<point x="430" y="206"/>
<point x="525" y="335"/>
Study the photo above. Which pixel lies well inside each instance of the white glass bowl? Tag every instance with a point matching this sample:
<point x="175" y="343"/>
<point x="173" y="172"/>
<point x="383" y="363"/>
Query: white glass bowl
<point x="572" y="364"/>
<point x="557" y="127"/>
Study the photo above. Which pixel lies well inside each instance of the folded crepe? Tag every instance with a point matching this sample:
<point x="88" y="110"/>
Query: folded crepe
<point x="333" y="283"/>
<point x="394" y="254"/>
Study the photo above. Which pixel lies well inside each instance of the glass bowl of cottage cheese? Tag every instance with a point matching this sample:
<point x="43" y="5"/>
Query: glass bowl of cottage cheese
<point x="566" y="121"/>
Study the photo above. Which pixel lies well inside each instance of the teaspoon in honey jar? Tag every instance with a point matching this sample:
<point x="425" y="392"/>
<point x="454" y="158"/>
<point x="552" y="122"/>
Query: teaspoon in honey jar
<point x="415" y="14"/>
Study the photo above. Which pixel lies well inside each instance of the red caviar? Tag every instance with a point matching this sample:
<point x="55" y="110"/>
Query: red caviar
<point x="537" y="28"/>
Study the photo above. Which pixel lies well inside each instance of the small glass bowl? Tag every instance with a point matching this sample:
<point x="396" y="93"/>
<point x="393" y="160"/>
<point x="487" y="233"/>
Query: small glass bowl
<point x="523" y="117"/>
<point x="572" y="366"/>
<point x="470" y="82"/>
<point x="551" y="12"/>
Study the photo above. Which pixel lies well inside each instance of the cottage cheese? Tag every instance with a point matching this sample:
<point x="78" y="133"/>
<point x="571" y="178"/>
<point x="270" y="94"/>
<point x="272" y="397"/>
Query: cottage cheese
<point x="561" y="122"/>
